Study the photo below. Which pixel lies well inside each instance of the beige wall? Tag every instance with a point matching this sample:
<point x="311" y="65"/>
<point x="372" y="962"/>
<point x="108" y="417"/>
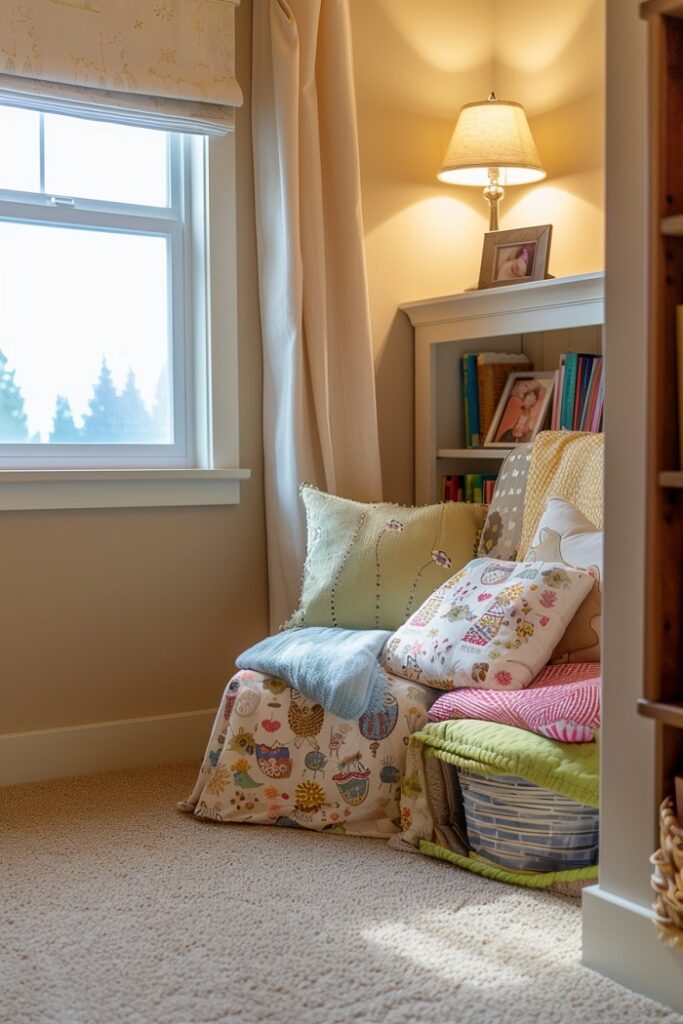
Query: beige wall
<point x="415" y="65"/>
<point x="114" y="614"/>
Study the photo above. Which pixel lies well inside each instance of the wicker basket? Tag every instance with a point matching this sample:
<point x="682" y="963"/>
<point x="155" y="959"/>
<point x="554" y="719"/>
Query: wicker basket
<point x="667" y="877"/>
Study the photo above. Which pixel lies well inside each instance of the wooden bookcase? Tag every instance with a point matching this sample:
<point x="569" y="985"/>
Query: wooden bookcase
<point x="663" y="689"/>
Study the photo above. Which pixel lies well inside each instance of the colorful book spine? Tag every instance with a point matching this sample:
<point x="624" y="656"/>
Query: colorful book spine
<point x="452" y="488"/>
<point x="489" y="482"/>
<point x="557" y="394"/>
<point x="471" y="379"/>
<point x="582" y="382"/>
<point x="591" y="397"/>
<point x="571" y="366"/>
<point x="597" y="414"/>
<point x="465" y="408"/>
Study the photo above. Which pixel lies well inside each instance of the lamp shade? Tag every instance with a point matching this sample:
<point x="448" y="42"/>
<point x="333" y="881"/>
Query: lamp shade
<point x="494" y="133"/>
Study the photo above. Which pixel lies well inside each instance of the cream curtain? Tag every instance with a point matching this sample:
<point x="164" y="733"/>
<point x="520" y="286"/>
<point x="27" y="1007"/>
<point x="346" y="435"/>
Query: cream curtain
<point x="320" y="419"/>
<point x="157" y="59"/>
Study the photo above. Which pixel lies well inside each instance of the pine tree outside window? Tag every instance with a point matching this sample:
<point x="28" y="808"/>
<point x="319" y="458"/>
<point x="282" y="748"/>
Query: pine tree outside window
<point x="112" y="353"/>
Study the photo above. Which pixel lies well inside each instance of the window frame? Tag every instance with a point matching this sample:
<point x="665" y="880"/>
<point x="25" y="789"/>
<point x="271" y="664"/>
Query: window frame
<point x="205" y="348"/>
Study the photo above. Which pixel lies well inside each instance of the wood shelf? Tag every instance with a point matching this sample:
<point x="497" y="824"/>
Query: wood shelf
<point x="671" y="478"/>
<point x="667" y="714"/>
<point x="472" y="453"/>
<point x="672" y="227"/>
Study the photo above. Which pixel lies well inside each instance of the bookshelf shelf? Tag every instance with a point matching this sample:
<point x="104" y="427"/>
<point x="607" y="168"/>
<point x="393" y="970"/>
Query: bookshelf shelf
<point x="472" y="453"/>
<point x="668" y="714"/>
<point x="672" y="227"/>
<point x="673" y="478"/>
<point x="541" y="319"/>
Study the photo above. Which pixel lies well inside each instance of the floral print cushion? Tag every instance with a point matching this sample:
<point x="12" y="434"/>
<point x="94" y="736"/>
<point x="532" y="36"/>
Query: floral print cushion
<point x="503" y="527"/>
<point x="493" y="625"/>
<point x="276" y="758"/>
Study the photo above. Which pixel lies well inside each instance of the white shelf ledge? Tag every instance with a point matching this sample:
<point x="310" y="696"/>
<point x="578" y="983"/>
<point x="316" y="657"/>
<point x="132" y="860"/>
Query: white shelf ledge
<point x="472" y="453"/>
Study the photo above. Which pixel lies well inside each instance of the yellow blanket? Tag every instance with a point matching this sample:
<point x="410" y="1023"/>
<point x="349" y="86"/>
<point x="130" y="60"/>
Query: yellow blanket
<point x="564" y="464"/>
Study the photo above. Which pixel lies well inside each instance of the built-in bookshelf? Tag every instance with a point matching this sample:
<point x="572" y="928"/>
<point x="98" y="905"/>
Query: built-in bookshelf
<point x="663" y="688"/>
<point x="542" y="319"/>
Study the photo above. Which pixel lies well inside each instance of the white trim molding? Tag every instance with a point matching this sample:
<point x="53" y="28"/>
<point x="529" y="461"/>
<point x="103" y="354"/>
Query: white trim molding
<point x="566" y="301"/>
<point x="638" y="960"/>
<point x="118" y="488"/>
<point x="103" y="746"/>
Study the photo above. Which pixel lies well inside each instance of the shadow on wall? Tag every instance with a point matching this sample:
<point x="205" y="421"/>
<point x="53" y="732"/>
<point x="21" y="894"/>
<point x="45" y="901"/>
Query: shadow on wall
<point x="394" y="381"/>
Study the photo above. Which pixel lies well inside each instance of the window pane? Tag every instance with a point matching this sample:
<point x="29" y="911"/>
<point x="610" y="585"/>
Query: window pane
<point x="19" y="149"/>
<point x="113" y="162"/>
<point x="84" y="336"/>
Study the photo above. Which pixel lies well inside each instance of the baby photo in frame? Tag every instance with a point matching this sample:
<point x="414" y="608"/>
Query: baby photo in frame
<point x="516" y="256"/>
<point x="522" y="409"/>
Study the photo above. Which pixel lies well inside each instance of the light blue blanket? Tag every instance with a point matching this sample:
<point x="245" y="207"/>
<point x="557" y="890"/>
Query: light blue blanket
<point x="337" y="668"/>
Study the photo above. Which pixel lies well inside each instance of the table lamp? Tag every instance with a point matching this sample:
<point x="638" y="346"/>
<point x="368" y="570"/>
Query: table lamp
<point x="492" y="145"/>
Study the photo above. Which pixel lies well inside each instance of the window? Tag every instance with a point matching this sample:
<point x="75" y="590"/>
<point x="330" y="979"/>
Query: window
<point x="96" y="300"/>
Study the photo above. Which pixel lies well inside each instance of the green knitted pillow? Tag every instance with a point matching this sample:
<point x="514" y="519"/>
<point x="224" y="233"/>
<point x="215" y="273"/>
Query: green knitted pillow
<point x="371" y="566"/>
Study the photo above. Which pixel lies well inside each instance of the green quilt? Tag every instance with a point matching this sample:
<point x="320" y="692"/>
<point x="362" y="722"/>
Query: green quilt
<point x="487" y="748"/>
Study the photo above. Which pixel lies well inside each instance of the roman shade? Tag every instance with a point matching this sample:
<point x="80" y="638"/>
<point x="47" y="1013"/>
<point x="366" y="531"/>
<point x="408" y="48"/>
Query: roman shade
<point x="156" y="63"/>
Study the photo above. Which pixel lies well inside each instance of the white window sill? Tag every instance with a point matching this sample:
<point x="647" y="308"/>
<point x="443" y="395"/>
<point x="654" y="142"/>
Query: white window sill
<point x="118" y="488"/>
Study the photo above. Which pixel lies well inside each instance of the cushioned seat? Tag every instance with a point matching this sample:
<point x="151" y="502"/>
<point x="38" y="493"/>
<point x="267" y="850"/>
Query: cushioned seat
<point x="275" y="757"/>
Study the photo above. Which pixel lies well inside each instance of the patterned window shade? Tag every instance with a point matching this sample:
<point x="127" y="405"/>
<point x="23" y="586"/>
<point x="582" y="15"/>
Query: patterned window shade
<point x="139" y="61"/>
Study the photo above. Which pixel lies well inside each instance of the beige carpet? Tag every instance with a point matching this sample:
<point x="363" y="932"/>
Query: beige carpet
<point x="116" y="908"/>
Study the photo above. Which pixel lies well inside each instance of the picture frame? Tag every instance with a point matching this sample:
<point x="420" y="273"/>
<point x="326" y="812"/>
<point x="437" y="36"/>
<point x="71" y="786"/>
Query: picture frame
<point x="517" y="256"/>
<point x="522" y="409"/>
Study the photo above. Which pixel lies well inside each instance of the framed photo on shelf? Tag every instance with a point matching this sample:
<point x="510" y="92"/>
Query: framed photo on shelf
<point x="515" y="257"/>
<point x="522" y="409"/>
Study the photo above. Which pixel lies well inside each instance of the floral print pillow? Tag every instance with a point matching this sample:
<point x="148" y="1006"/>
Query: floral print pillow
<point x="493" y="625"/>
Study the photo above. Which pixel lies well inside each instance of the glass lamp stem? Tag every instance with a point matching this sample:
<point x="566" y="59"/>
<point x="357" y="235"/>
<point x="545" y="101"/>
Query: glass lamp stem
<point x="493" y="193"/>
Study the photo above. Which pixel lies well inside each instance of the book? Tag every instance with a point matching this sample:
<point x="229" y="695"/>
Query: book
<point x="582" y="380"/>
<point x="557" y="393"/>
<point x="591" y="397"/>
<point x="472" y="398"/>
<point x="591" y="391"/>
<point x="571" y="365"/>
<point x="493" y="369"/>
<point x="596" y="422"/>
<point x="489" y="482"/>
<point x="451" y="488"/>
<point x="465" y="406"/>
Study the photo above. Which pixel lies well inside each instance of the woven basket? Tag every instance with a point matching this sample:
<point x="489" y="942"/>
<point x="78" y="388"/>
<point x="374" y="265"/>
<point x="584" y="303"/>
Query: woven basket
<point x="667" y="877"/>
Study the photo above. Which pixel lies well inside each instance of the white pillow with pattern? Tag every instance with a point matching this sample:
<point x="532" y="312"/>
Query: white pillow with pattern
<point x="493" y="625"/>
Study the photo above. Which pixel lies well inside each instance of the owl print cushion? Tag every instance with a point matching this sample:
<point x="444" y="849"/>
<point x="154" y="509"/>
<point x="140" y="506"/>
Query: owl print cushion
<point x="493" y="625"/>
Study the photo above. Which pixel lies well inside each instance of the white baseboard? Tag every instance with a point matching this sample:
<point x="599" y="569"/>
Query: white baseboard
<point x="103" y="746"/>
<point x="619" y="941"/>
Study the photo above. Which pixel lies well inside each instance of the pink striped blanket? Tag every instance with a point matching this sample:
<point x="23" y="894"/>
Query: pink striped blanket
<point x="562" y="703"/>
